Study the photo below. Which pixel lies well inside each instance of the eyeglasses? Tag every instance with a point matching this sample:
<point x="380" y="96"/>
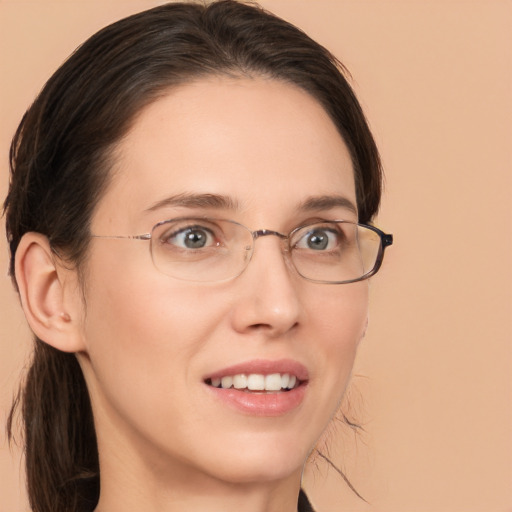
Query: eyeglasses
<point x="209" y="250"/>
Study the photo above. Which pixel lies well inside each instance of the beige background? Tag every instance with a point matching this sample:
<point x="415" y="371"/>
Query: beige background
<point x="435" y="78"/>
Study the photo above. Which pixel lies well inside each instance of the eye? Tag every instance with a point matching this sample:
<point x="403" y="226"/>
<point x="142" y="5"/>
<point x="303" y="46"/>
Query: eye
<point x="319" y="239"/>
<point x="189" y="237"/>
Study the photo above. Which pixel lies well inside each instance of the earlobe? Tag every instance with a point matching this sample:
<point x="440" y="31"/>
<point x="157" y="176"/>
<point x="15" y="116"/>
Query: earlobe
<point x="46" y="290"/>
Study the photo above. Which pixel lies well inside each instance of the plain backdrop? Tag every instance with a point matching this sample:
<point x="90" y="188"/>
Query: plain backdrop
<point x="433" y="386"/>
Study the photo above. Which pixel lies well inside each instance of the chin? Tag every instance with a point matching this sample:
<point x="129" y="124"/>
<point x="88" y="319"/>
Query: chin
<point x="263" y="459"/>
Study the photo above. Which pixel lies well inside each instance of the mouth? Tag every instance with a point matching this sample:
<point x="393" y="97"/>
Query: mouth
<point x="256" y="382"/>
<point x="260" y="387"/>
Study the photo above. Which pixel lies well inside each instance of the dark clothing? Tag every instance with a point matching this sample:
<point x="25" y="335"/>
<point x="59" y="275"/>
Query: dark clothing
<point x="304" y="504"/>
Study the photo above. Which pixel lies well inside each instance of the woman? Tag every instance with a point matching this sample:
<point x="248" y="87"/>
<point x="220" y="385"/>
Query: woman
<point x="183" y="224"/>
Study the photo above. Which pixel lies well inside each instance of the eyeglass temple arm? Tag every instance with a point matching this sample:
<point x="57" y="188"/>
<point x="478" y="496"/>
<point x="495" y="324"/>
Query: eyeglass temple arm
<point x="145" y="236"/>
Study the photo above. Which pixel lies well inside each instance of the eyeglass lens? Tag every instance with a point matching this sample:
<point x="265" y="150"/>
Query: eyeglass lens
<point x="196" y="249"/>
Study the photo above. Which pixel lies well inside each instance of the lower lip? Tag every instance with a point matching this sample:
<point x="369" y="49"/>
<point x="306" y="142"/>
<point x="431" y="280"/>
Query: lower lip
<point x="261" y="404"/>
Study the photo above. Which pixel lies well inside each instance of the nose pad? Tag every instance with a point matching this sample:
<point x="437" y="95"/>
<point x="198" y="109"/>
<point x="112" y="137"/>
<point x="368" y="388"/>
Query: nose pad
<point x="268" y="298"/>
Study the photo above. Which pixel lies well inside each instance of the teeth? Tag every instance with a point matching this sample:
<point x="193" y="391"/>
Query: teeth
<point x="239" y="381"/>
<point x="273" y="382"/>
<point x="226" y="382"/>
<point x="256" y="382"/>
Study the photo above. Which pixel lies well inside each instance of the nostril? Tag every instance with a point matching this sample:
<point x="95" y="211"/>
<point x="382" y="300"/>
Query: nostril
<point x="271" y="330"/>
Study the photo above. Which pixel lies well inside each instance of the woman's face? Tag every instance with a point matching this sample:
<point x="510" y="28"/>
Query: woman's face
<point x="152" y="343"/>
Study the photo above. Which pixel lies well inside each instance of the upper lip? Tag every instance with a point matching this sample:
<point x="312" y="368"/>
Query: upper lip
<point x="264" y="367"/>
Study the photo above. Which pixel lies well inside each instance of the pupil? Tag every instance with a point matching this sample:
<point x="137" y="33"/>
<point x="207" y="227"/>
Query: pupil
<point x="318" y="240"/>
<point x="195" y="239"/>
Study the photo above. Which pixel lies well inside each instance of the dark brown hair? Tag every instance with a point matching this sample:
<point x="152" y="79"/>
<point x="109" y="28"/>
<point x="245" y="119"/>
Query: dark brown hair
<point x="60" y="159"/>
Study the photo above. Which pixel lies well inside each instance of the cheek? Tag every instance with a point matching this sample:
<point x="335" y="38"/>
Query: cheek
<point x="144" y="338"/>
<point x="147" y="324"/>
<point x="130" y="299"/>
<point x="342" y="315"/>
<point x="341" y="319"/>
<point x="142" y="328"/>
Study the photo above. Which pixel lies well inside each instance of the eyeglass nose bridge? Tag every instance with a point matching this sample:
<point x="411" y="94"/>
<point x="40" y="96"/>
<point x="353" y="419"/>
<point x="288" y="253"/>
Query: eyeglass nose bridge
<point x="267" y="232"/>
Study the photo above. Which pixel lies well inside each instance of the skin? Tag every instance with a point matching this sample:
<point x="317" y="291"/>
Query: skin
<point x="145" y="341"/>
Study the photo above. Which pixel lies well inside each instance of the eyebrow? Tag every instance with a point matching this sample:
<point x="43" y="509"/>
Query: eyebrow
<point x="222" y="202"/>
<point x="327" y="202"/>
<point x="188" y="200"/>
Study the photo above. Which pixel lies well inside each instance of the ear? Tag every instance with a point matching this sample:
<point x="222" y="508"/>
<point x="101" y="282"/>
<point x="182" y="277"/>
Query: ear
<point x="50" y="295"/>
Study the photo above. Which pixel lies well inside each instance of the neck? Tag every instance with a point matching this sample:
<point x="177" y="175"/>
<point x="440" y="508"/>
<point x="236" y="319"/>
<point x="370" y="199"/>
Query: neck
<point x="131" y="490"/>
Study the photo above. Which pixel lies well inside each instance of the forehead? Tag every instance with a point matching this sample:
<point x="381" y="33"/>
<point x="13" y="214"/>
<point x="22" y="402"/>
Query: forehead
<point x="265" y="144"/>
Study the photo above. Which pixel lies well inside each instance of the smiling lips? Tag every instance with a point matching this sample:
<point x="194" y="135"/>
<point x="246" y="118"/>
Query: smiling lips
<point x="261" y="387"/>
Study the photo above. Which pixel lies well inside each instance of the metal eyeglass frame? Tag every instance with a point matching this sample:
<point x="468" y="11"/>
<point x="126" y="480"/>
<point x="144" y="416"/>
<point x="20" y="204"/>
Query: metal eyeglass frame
<point x="386" y="240"/>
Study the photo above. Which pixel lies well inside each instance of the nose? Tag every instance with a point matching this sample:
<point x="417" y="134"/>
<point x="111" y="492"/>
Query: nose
<point x="268" y="298"/>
